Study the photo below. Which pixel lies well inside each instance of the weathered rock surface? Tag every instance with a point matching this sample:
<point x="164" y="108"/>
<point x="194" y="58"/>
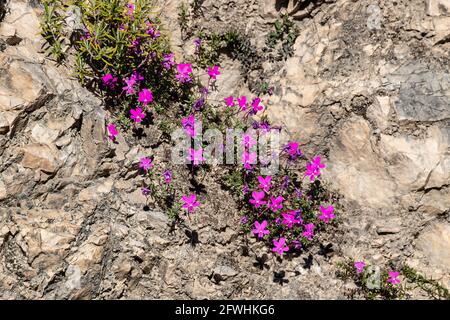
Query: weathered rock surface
<point x="367" y="87"/>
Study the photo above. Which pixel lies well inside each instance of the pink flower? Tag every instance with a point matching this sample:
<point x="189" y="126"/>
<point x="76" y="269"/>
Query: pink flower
<point x="229" y="101"/>
<point x="289" y="219"/>
<point x="189" y="125"/>
<point x="248" y="159"/>
<point x="152" y="32"/>
<point x="137" y="115"/>
<point x="112" y="131"/>
<point x="393" y="277"/>
<point x="145" y="163"/>
<point x="260" y="229"/>
<point x="276" y="203"/>
<point x="167" y="176"/>
<point x="109" y="80"/>
<point x="197" y="43"/>
<point x="297" y="244"/>
<point x="184" y="69"/>
<point x="264" y="183"/>
<point x="168" y="61"/>
<point x="279" y="246"/>
<point x="136" y="76"/>
<point x="190" y="202"/>
<point x="196" y="156"/>
<point x="213" y="72"/>
<point x="293" y="150"/>
<point x="248" y="141"/>
<point x="327" y="213"/>
<point x="131" y="8"/>
<point x="309" y="231"/>
<point x="257" y="199"/>
<point x="145" y="191"/>
<point x="129" y="88"/>
<point x="256" y="106"/>
<point x="242" y="101"/>
<point x="359" y="265"/>
<point x="145" y="96"/>
<point x="313" y="168"/>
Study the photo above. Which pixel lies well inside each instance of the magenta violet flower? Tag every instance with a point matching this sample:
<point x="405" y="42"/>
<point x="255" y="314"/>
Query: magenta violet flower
<point x="242" y="102"/>
<point x="153" y="33"/>
<point x="256" y="106"/>
<point x="189" y="125"/>
<point x="257" y="199"/>
<point x="190" y="203"/>
<point x="289" y="219"/>
<point x="327" y="213"/>
<point x="136" y="76"/>
<point x="145" y="191"/>
<point x="260" y="229"/>
<point x="393" y="277"/>
<point x="197" y="43"/>
<point x="275" y="203"/>
<point x="145" y="96"/>
<point x="297" y="244"/>
<point x="184" y="69"/>
<point x="248" y="141"/>
<point x="109" y="80"/>
<point x="359" y="265"/>
<point x="196" y="156"/>
<point x="309" y="231"/>
<point x="313" y="168"/>
<point x="167" y="176"/>
<point x="168" y="61"/>
<point x="137" y="115"/>
<point x="292" y="148"/>
<point x="248" y="159"/>
<point x="264" y="183"/>
<point x="280" y="246"/>
<point x="129" y="88"/>
<point x="145" y="163"/>
<point x="199" y="104"/>
<point x="213" y="72"/>
<point x="229" y="101"/>
<point x="112" y="131"/>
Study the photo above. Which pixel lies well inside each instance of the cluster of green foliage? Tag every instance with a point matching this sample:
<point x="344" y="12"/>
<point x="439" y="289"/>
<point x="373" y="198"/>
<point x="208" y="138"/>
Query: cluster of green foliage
<point x="373" y="284"/>
<point x="232" y="43"/>
<point x="51" y="29"/>
<point x="285" y="34"/>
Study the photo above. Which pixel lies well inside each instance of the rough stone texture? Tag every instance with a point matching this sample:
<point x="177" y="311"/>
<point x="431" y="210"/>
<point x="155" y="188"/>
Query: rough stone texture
<point x="367" y="88"/>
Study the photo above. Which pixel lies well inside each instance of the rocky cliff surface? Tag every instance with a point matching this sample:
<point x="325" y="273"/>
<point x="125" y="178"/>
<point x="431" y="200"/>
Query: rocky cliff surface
<point x="367" y="86"/>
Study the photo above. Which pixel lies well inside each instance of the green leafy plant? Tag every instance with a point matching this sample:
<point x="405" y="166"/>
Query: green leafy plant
<point x="285" y="34"/>
<point x="374" y="282"/>
<point x="51" y="29"/>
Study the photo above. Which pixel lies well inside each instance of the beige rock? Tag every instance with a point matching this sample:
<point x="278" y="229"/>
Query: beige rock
<point x="40" y="156"/>
<point x="413" y="159"/>
<point x="3" y="191"/>
<point x="43" y="135"/>
<point x="435" y="201"/>
<point x="356" y="167"/>
<point x="379" y="112"/>
<point x="47" y="231"/>
<point x="441" y="28"/>
<point x="95" y="192"/>
<point x="7" y="119"/>
<point x="434" y="243"/>
<point x="438" y="7"/>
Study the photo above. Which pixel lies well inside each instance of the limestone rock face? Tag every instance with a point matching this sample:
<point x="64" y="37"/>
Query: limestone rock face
<point x="367" y="88"/>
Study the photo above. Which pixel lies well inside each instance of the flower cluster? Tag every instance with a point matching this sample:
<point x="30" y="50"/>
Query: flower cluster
<point x="125" y="55"/>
